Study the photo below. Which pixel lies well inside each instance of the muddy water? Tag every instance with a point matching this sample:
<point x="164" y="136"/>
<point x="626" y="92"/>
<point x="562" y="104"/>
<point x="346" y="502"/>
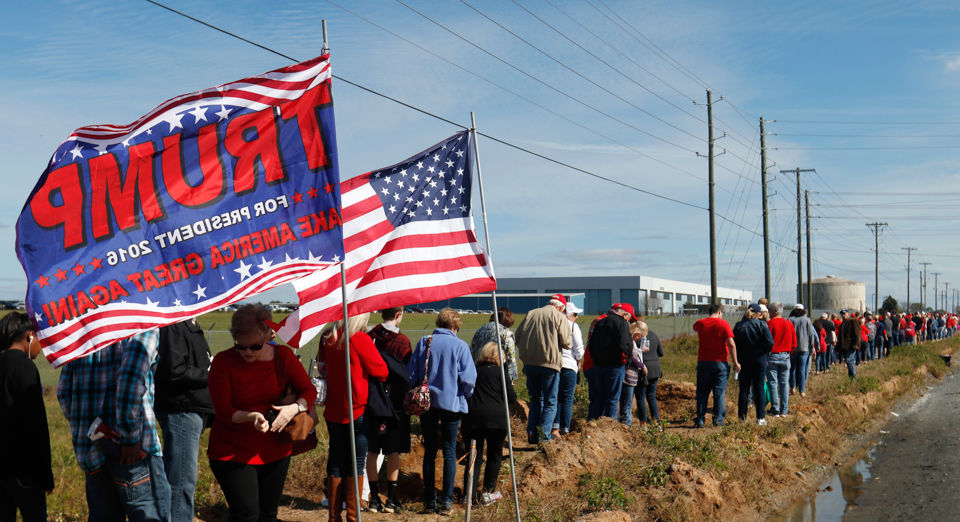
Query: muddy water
<point x="837" y="495"/>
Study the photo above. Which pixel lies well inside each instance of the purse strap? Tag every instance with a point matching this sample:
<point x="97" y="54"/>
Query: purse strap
<point x="426" y="362"/>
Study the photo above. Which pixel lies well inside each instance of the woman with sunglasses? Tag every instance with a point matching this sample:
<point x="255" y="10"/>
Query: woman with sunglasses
<point x="247" y="456"/>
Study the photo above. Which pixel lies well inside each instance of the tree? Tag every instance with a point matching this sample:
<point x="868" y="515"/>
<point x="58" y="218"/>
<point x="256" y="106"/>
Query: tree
<point x="890" y="305"/>
<point x="916" y="307"/>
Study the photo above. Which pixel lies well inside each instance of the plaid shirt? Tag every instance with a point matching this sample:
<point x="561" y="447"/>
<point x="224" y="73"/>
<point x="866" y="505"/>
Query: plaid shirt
<point x="488" y="334"/>
<point x="115" y="384"/>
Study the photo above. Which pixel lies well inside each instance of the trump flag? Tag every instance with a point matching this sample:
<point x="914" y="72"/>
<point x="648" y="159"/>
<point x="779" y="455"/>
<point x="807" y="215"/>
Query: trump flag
<point x="212" y="197"/>
<point x="409" y="238"/>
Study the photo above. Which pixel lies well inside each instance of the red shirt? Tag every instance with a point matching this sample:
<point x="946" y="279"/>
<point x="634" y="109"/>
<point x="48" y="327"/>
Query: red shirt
<point x="236" y="385"/>
<point x="713" y="333"/>
<point x="784" y="335"/>
<point x="365" y="362"/>
<point x="823" y="341"/>
<point x="864" y="333"/>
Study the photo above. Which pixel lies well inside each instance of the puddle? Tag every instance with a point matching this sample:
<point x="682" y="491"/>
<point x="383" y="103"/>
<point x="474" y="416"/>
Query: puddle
<point x="835" y="496"/>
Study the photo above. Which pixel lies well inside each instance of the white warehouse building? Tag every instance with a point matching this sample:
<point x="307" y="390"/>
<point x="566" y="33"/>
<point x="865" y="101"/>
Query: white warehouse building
<point x="648" y="295"/>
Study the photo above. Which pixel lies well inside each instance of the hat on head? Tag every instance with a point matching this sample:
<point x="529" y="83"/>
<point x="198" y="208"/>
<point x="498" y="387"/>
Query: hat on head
<point x="798" y="306"/>
<point x="763" y="308"/>
<point x="755" y="308"/>
<point x="572" y="309"/>
<point x="626" y="307"/>
<point x="559" y="297"/>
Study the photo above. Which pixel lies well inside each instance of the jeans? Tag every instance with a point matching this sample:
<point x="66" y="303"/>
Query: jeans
<point x="493" y="440"/>
<point x="181" y="447"/>
<point x="799" y="370"/>
<point x="778" y="369"/>
<point x="31" y="502"/>
<point x="252" y="491"/>
<point x="712" y="377"/>
<point x="753" y="373"/>
<point x="822" y="361"/>
<point x="139" y="491"/>
<point x="543" y="385"/>
<point x="647" y="395"/>
<point x="626" y="404"/>
<point x="851" y="359"/>
<point x="440" y="432"/>
<point x="339" y="463"/>
<point x="567" y="388"/>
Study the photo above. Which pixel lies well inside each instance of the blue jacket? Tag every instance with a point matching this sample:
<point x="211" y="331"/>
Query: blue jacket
<point x="753" y="339"/>
<point x="451" y="375"/>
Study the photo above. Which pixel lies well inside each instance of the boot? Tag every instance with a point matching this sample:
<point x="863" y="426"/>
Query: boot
<point x="335" y="492"/>
<point x="351" y="498"/>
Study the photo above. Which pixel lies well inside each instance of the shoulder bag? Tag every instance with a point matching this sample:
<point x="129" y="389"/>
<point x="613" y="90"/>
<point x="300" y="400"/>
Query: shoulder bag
<point x="417" y="400"/>
<point x="300" y="430"/>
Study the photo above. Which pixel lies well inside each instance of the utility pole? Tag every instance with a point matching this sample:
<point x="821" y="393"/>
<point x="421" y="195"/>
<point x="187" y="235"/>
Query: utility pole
<point x="946" y="286"/>
<point x="806" y="199"/>
<point x="876" y="263"/>
<point x="713" y="217"/>
<point x="923" y="286"/>
<point x="766" y="228"/>
<point x="936" y="285"/>
<point x="799" y="235"/>
<point x="908" y="249"/>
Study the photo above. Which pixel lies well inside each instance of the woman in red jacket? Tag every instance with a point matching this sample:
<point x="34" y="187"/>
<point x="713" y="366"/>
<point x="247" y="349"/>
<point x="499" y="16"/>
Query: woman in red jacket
<point x="365" y="364"/>
<point x="246" y="453"/>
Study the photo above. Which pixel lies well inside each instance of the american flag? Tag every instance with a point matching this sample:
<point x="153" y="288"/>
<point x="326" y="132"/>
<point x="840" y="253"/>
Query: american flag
<point x="84" y="298"/>
<point x="408" y="236"/>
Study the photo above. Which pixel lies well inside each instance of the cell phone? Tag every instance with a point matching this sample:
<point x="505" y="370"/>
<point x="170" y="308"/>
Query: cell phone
<point x="270" y="415"/>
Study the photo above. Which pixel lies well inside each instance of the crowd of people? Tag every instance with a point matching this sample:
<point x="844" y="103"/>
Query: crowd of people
<point x="773" y="356"/>
<point x="256" y="398"/>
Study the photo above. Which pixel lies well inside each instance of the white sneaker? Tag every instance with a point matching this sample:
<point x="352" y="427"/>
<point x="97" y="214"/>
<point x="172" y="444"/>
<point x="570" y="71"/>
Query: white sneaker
<point x="761" y="422"/>
<point x="489" y="498"/>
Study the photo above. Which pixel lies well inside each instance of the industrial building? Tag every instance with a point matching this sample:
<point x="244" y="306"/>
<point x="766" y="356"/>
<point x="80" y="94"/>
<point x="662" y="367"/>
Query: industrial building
<point x="831" y="294"/>
<point x="648" y="295"/>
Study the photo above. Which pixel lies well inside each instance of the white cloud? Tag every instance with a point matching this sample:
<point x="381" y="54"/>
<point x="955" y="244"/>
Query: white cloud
<point x="953" y="64"/>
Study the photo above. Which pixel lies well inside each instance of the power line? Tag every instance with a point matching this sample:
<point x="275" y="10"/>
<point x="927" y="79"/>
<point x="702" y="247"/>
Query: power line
<point x="488" y="136"/>
<point x="890" y="147"/>
<point x="543" y="82"/>
<point x="854" y="122"/>
<point x="518" y="95"/>
<point x="793" y="135"/>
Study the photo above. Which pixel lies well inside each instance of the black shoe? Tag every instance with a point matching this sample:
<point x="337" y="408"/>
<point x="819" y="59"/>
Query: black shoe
<point x="391" y="506"/>
<point x="374" y="505"/>
<point x="532" y="438"/>
<point x="446" y="508"/>
<point x="430" y="506"/>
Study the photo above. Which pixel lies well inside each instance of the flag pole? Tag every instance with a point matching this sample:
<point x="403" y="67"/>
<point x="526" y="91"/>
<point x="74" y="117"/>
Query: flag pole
<point x="503" y="370"/>
<point x="346" y="347"/>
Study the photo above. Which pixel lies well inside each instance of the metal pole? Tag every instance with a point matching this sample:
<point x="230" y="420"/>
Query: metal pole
<point x="806" y="196"/>
<point x="471" y="462"/>
<point x="713" y="218"/>
<point x="766" y="228"/>
<point x="346" y="347"/>
<point x="503" y="371"/>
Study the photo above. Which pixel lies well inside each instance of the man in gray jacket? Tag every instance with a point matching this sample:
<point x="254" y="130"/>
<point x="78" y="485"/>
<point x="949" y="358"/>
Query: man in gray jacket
<point x="807" y="342"/>
<point x="541" y="337"/>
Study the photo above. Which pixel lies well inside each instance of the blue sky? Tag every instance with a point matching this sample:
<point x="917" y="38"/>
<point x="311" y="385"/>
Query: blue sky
<point x="862" y="91"/>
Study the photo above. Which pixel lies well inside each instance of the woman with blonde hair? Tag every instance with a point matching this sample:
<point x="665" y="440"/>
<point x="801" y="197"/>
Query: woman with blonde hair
<point x="486" y="422"/>
<point x="365" y="364"/>
<point x="444" y="359"/>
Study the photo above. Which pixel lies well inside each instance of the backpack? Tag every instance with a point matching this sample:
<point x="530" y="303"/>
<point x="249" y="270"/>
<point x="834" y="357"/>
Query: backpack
<point x="417" y="400"/>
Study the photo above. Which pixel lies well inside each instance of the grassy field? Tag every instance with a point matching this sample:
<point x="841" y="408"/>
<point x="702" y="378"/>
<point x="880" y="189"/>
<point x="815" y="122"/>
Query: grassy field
<point x="68" y="500"/>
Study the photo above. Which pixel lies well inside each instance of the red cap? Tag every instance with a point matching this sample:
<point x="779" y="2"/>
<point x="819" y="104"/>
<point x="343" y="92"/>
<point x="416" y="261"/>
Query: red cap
<point x="626" y="307"/>
<point x="559" y="297"/>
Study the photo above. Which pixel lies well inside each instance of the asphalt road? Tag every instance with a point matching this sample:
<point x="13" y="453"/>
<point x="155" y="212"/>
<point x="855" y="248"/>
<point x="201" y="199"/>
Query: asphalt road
<point x="916" y="468"/>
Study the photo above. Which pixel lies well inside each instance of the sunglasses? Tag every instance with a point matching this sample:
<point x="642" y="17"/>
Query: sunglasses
<point x="252" y="347"/>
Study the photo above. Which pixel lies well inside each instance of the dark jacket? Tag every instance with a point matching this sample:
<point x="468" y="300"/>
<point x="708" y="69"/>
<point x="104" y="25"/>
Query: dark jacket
<point x="182" y="366"/>
<point x="486" y="404"/>
<point x="611" y="343"/>
<point x="24" y="438"/>
<point x="651" y="359"/>
<point x="753" y="339"/>
<point x="850" y="335"/>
